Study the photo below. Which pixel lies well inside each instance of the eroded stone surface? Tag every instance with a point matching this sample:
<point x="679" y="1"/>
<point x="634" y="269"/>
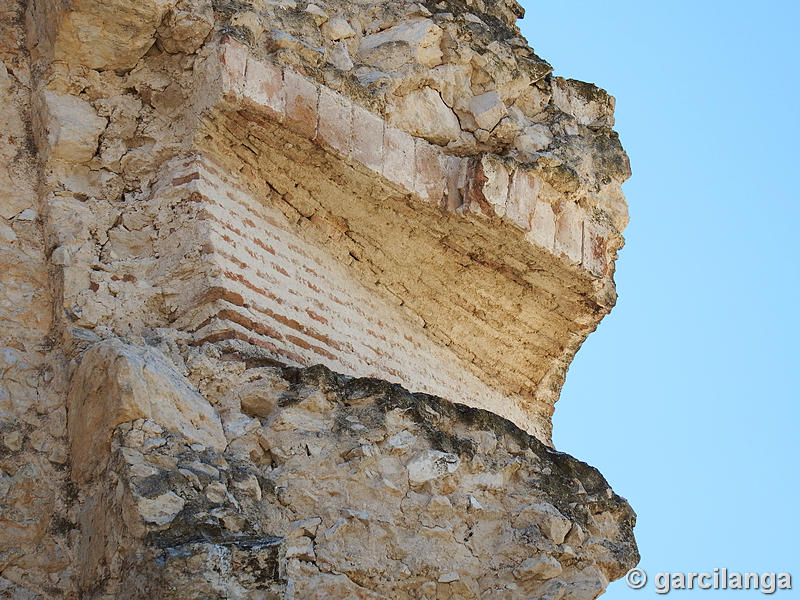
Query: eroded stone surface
<point x="399" y="191"/>
<point x="349" y="488"/>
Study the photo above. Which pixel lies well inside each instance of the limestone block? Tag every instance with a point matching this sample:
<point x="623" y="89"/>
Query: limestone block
<point x="335" y="121"/>
<point x="423" y="113"/>
<point x="367" y="143"/>
<point x="73" y="127"/>
<point x="398" y="154"/>
<point x="595" y="246"/>
<point x="590" y="105"/>
<point x="301" y="104"/>
<point x="543" y="226"/>
<point x="522" y="198"/>
<point x="487" y="110"/>
<point x="263" y="85"/>
<point x="569" y="232"/>
<point x="415" y="40"/>
<point x="109" y="34"/>
<point x="430" y="179"/>
<point x="496" y="187"/>
<point x="116" y="383"/>
<point x="233" y="56"/>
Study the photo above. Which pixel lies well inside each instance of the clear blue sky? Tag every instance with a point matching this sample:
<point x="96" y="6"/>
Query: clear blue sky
<point x="686" y="396"/>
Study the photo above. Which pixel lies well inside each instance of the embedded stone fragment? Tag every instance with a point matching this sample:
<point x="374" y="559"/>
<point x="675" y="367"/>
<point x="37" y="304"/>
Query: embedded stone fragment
<point x="340" y="57"/>
<point x="414" y="41"/>
<point x="423" y="113"/>
<point x="337" y="29"/>
<point x="116" y="383"/>
<point x="547" y="517"/>
<point x="487" y="110"/>
<point x="108" y="34"/>
<point x="431" y="464"/>
<point x="162" y="509"/>
<point x="186" y="26"/>
<point x="539" y="567"/>
<point x="590" y="105"/>
<point x="73" y="127"/>
<point x="534" y="139"/>
<point x="300" y="547"/>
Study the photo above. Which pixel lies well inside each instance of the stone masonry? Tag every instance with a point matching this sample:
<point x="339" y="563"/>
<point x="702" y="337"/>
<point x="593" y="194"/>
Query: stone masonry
<point x="288" y="294"/>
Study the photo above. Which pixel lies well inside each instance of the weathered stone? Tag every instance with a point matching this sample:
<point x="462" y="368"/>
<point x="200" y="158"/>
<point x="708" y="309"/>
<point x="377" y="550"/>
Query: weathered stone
<point x="162" y="509"/>
<point x="540" y="567"/>
<point x="417" y="40"/>
<point x="534" y="139"/>
<point x="186" y="26"/>
<point x="360" y="533"/>
<point x="337" y="29"/>
<point x="547" y="517"/>
<point x="424" y="114"/>
<point x="431" y="464"/>
<point x="340" y="57"/>
<point x="302" y="97"/>
<point x="487" y="110"/>
<point x="73" y="127"/>
<point x="112" y="34"/>
<point x="569" y="232"/>
<point x="200" y="200"/>
<point x="590" y="105"/>
<point x="300" y="547"/>
<point x="116" y="383"/>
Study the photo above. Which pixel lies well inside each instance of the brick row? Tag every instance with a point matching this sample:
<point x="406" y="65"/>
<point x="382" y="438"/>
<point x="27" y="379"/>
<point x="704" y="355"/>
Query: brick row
<point x="257" y="298"/>
<point x="486" y="186"/>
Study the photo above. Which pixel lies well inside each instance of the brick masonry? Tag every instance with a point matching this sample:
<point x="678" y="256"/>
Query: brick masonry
<point x="324" y="235"/>
<point x="339" y="124"/>
<point x="267" y="285"/>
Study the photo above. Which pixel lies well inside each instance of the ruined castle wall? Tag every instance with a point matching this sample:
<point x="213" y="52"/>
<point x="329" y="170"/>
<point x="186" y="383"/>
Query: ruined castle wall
<point x="203" y="200"/>
<point x="34" y="478"/>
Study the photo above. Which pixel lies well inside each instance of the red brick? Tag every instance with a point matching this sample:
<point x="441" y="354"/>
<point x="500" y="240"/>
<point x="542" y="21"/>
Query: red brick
<point x="543" y="226"/>
<point x="496" y="183"/>
<point x="455" y="170"/>
<point x="367" y="138"/>
<point x="430" y="181"/>
<point x="595" y="244"/>
<point x="302" y="97"/>
<point x="522" y="198"/>
<point x="335" y="121"/>
<point x="263" y="85"/>
<point x="185" y="179"/>
<point x="473" y="197"/>
<point x="234" y="59"/>
<point x="398" y="157"/>
<point x="569" y="232"/>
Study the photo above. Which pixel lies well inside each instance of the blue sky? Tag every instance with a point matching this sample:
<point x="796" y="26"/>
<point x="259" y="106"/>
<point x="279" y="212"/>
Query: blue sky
<point x="686" y="396"/>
